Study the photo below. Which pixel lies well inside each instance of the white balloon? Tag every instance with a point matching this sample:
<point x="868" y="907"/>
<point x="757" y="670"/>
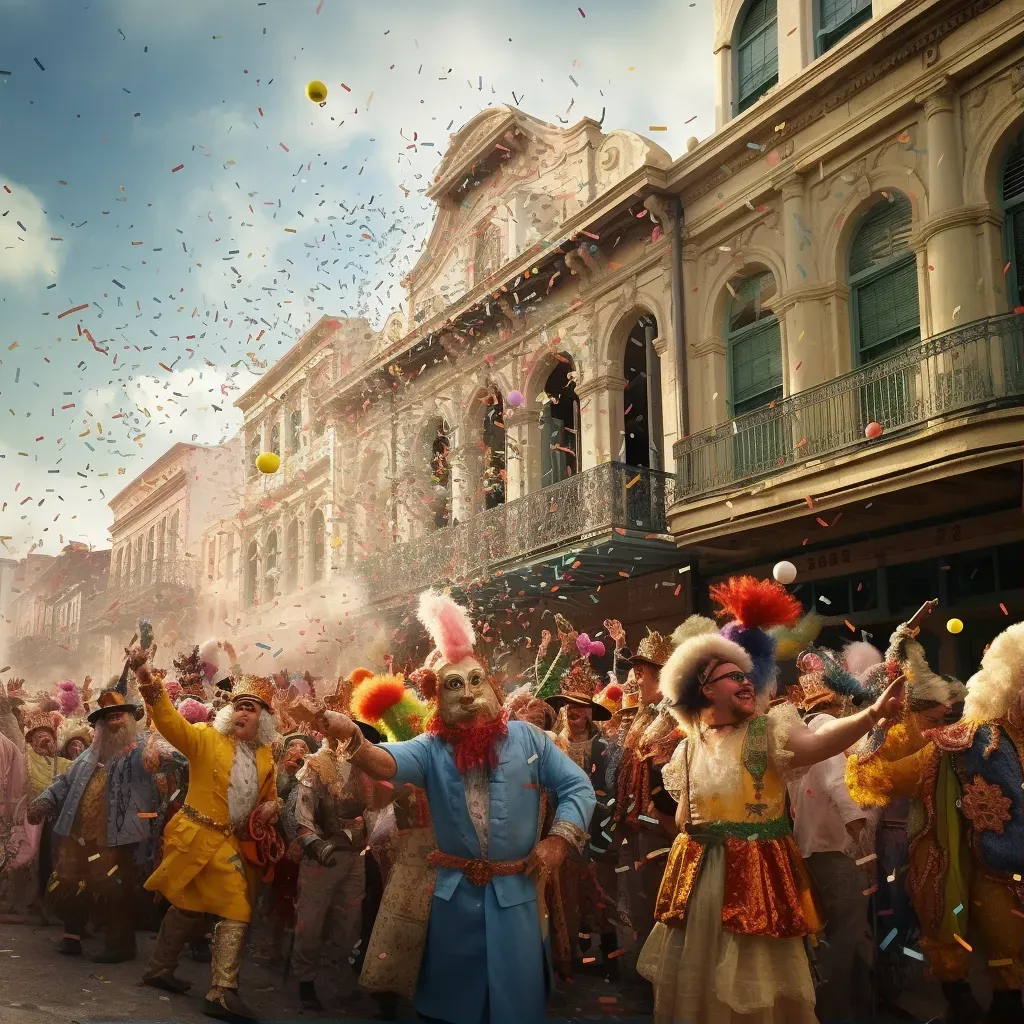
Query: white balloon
<point x="784" y="573"/>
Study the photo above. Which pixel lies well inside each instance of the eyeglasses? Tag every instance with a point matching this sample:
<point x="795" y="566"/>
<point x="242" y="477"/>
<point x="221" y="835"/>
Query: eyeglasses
<point x="736" y="677"/>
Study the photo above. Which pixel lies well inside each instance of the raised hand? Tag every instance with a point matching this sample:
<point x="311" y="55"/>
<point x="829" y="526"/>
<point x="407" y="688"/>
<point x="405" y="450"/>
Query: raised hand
<point x="890" y="704"/>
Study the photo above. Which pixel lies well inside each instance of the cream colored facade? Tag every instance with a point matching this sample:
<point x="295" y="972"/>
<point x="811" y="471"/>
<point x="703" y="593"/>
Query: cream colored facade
<point x="838" y="253"/>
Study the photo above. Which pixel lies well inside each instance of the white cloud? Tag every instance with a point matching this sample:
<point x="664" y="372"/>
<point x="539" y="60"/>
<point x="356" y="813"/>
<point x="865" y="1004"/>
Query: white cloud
<point x="25" y="246"/>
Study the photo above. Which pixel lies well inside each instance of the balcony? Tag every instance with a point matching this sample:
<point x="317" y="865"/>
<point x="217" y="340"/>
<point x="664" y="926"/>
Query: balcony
<point x="141" y="592"/>
<point x="296" y="466"/>
<point x="972" y="369"/>
<point x="614" y="507"/>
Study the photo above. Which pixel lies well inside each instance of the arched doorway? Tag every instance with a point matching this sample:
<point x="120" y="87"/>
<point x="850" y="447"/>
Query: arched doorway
<point x="494" y="449"/>
<point x="317" y="546"/>
<point x="641" y="401"/>
<point x="440" y="474"/>
<point x="252" y="563"/>
<point x="270" y="568"/>
<point x="560" y="424"/>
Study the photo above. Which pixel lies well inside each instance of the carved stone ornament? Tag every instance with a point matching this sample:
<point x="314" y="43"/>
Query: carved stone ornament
<point x="1017" y="77"/>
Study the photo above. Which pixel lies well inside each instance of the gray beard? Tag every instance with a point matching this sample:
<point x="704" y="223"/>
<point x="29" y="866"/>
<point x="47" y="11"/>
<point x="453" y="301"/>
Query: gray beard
<point x="108" y="743"/>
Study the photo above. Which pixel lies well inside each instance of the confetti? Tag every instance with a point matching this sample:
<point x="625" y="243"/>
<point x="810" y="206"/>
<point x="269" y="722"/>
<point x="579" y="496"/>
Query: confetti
<point x="884" y="944"/>
<point x="178" y="168"/>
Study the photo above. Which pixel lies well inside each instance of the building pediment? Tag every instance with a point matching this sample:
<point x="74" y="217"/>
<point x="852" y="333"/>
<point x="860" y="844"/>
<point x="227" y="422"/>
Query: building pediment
<point x="470" y="146"/>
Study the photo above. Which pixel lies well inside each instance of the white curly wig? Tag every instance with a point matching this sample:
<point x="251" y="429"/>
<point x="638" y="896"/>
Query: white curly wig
<point x="998" y="684"/>
<point x="679" y="677"/>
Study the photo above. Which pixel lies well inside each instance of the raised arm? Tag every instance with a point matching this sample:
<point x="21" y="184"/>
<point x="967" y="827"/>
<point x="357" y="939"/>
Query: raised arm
<point x="375" y="761"/>
<point x="180" y="734"/>
<point x="810" y="747"/>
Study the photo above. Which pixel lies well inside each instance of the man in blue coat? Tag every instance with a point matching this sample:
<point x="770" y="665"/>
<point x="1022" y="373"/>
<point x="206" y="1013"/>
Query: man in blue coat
<point x="105" y="806"/>
<point x="485" y="960"/>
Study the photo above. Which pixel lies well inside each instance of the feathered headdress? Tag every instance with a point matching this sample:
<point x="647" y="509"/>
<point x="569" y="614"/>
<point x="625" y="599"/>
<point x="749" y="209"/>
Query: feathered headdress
<point x="386" y="702"/>
<point x="449" y="627"/>
<point x="695" y="625"/>
<point x="791" y="640"/>
<point x="195" y="711"/>
<point x="755" y="607"/>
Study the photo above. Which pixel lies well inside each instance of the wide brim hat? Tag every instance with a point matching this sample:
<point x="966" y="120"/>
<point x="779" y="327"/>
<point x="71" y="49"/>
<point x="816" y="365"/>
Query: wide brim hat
<point x="72" y="729"/>
<point x="35" y="719"/>
<point x="108" y="709"/>
<point x="599" y="713"/>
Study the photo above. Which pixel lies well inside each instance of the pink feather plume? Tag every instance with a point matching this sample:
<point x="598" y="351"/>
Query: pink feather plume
<point x="448" y="625"/>
<point x="861" y="656"/>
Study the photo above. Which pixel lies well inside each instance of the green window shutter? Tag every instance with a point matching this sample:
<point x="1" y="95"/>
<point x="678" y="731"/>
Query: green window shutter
<point x="883" y="235"/>
<point x="1013" y="176"/>
<point x="888" y="314"/>
<point x="758" y="52"/>
<point x="838" y="18"/>
<point x="756" y="366"/>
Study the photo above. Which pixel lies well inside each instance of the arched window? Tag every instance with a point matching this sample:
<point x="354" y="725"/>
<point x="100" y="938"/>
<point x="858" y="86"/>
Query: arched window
<point x="488" y="253"/>
<point x="641" y="445"/>
<point x="1013" y="205"/>
<point x="151" y="553"/>
<point x="838" y="18"/>
<point x="139" y="569"/>
<point x="161" y="539"/>
<point x="270" y="568"/>
<point x="319" y="424"/>
<point x="560" y="424"/>
<point x="291" y="554"/>
<point x="494" y="449"/>
<point x="120" y="564"/>
<point x="441" y="474"/>
<point x="255" y="448"/>
<point x="275" y="439"/>
<point x="294" y="429"/>
<point x="317" y="546"/>
<point x="757" y="53"/>
<point x="252" y="566"/>
<point x="172" y="540"/>
<point x="754" y="345"/>
<point x="883" y="282"/>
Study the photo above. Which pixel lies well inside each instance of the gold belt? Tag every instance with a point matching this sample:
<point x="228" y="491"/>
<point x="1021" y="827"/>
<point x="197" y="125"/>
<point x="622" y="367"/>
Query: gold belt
<point x="201" y="819"/>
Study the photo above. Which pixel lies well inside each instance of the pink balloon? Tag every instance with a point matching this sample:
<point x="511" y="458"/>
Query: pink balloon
<point x="583" y="644"/>
<point x="515" y="399"/>
<point x="597" y="649"/>
<point x="873" y="430"/>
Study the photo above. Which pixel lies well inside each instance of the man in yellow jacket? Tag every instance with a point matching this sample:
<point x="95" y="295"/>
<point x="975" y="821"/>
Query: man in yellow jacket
<point x="232" y="784"/>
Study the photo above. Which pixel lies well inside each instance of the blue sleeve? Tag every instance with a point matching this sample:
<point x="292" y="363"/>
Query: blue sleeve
<point x="412" y="758"/>
<point x="559" y="774"/>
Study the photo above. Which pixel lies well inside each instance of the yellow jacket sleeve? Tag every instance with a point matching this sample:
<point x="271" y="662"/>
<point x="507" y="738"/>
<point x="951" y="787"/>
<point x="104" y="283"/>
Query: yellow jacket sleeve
<point x="180" y="734"/>
<point x="896" y="769"/>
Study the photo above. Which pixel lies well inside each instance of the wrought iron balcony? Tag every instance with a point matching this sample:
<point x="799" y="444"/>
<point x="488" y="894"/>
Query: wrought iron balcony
<point x="589" y="506"/>
<point x="136" y="592"/>
<point x="977" y="366"/>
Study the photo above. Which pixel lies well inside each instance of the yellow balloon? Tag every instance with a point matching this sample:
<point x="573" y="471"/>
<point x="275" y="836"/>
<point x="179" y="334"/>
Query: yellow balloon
<point x="316" y="91"/>
<point x="268" y="462"/>
<point x="955" y="626"/>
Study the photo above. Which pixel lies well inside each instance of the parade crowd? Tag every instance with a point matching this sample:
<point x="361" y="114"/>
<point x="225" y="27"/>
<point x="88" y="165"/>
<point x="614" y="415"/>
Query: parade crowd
<point x="733" y="849"/>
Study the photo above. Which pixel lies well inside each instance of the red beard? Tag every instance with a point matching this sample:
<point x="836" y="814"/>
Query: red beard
<point x="474" y="744"/>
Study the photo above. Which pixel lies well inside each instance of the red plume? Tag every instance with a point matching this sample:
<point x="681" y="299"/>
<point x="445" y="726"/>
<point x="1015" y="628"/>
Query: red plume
<point x="357" y="675"/>
<point x="426" y="680"/>
<point x="756" y="604"/>
<point x="375" y="696"/>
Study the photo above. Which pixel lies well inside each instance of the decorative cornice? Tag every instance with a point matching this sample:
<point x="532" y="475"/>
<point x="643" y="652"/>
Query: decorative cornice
<point x="853" y="84"/>
<point x="971" y="216"/>
<point x="609" y="382"/>
<point x="792" y="186"/>
<point x="811" y="293"/>
<point x="712" y="346"/>
<point x="937" y="96"/>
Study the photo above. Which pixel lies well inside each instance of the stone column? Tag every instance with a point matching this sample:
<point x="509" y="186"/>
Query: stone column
<point x="948" y="231"/>
<point x="806" y="358"/>
<point x="601" y="420"/>
<point x="464" y="483"/>
<point x="723" y="85"/>
<point x="522" y="454"/>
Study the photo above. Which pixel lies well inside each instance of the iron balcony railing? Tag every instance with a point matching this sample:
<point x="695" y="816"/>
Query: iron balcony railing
<point x="978" y="365"/>
<point x="139" y="587"/>
<point x="586" y="506"/>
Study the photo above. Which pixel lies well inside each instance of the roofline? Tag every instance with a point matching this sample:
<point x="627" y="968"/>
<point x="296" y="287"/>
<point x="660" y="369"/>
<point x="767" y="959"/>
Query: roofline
<point x="171" y="452"/>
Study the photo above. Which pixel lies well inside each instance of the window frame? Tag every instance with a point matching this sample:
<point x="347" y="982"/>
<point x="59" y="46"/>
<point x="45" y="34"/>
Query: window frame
<point x="740" y="334"/>
<point x="744" y="102"/>
<point x="827" y="39"/>
<point x="1011" y="208"/>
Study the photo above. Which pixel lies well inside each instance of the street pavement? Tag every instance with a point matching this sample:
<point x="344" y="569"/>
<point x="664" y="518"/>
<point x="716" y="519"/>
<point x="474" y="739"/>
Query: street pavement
<point x="40" y="986"/>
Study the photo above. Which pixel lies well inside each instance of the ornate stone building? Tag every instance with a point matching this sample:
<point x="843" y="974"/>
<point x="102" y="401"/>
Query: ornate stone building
<point x="617" y="376"/>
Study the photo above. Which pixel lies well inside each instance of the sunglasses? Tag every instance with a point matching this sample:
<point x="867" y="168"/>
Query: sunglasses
<point x="736" y="677"/>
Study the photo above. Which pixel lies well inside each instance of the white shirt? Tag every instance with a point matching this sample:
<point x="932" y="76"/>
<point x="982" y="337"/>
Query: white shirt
<point x="821" y="804"/>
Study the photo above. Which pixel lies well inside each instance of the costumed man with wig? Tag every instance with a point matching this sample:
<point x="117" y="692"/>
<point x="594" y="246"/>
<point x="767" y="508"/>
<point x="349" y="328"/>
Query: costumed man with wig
<point x="485" y="960"/>
<point x="104" y="806"/>
<point x="736" y="899"/>
<point x="966" y="780"/>
<point x="212" y="844"/>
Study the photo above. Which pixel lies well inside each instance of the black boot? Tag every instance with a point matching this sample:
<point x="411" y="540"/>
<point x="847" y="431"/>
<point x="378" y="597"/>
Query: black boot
<point x="609" y="963"/>
<point x="69" y="946"/>
<point x="1006" y="1007"/>
<point x="387" y="1006"/>
<point x="308" y="997"/>
<point x="963" y="1007"/>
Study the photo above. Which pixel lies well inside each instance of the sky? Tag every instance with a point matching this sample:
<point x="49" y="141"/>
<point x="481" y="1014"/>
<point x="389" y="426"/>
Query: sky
<point x="168" y="193"/>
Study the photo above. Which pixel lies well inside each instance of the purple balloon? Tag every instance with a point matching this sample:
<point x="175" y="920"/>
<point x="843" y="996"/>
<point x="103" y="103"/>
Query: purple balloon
<point x="515" y="399"/>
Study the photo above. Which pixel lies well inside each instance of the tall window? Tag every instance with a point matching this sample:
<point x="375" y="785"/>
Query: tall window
<point x="757" y="52"/>
<point x="883" y="282"/>
<point x="270" y="568"/>
<point x="294" y="429"/>
<point x="641" y="410"/>
<point x="291" y="554"/>
<point x="754" y="345"/>
<point x="139" y="569"/>
<point x="441" y="474"/>
<point x="151" y="553"/>
<point x="838" y="18"/>
<point x="252" y="564"/>
<point x="275" y="439"/>
<point x="317" y="546"/>
<point x="1013" y="204"/>
<point x="161" y="539"/>
<point x="255" y="447"/>
<point x="560" y="425"/>
<point x="172" y="540"/>
<point x="494" y="450"/>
